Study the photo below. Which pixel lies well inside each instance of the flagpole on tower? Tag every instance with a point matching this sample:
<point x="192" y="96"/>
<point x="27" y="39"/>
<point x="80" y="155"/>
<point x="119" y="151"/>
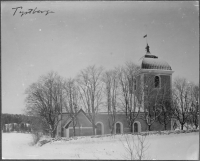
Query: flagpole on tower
<point x="146" y="40"/>
<point x="145" y="36"/>
<point x="147" y="47"/>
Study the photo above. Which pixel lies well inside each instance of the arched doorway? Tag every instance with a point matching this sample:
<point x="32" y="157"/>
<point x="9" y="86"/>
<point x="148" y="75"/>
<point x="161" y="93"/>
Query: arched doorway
<point x="99" y="128"/>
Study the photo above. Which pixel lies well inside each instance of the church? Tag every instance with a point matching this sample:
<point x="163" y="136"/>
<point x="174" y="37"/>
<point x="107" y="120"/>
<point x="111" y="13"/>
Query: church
<point x="154" y="75"/>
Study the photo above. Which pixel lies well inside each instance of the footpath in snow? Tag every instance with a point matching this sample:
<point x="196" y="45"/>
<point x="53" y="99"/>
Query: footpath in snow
<point x="184" y="146"/>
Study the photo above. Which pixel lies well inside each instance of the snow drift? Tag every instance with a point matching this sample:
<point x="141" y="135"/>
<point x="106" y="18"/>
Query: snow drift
<point x="183" y="146"/>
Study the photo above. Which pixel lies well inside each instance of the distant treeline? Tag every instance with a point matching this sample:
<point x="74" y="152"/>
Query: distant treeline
<point x="19" y="119"/>
<point x="15" y="118"/>
<point x="22" y="123"/>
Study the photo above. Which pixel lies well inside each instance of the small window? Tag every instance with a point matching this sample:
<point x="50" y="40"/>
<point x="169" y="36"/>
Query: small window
<point x="157" y="82"/>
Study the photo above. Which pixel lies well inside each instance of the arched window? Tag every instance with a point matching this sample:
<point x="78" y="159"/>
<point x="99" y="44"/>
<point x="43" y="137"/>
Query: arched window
<point x="118" y="128"/>
<point x="157" y="81"/>
<point x="136" y="127"/>
<point x="99" y="129"/>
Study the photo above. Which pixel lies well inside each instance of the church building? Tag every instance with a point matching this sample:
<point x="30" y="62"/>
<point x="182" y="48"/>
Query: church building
<point x="153" y="82"/>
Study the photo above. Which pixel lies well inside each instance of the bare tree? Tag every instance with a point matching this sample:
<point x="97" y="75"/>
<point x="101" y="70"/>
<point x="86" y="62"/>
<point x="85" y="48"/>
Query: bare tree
<point x="164" y="103"/>
<point x="45" y="99"/>
<point x="71" y="102"/>
<point x="135" y="148"/>
<point x="90" y="88"/>
<point x="39" y="125"/>
<point x="194" y="108"/>
<point x="181" y="101"/>
<point x="110" y="80"/>
<point x="127" y="82"/>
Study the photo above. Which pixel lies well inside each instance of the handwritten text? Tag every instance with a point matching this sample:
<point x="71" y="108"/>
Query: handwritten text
<point x="30" y="11"/>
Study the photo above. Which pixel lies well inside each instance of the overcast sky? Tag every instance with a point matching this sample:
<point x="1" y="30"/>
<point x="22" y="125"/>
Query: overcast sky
<point x="79" y="34"/>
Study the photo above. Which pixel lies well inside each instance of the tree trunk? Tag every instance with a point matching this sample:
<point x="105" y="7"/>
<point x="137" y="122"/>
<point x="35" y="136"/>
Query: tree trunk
<point x="112" y="128"/>
<point x="181" y="126"/>
<point x="196" y="126"/>
<point x="149" y="127"/>
<point x="53" y="134"/>
<point x="74" y="129"/>
<point x="165" y="126"/>
<point x="93" y="122"/>
<point x="131" y="127"/>
<point x="93" y="128"/>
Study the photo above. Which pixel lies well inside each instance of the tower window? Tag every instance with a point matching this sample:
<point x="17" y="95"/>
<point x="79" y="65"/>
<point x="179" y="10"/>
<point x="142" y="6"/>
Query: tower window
<point x="157" y="82"/>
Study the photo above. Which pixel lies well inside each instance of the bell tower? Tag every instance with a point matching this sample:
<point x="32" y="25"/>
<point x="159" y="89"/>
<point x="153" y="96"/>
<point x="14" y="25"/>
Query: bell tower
<point x="154" y="80"/>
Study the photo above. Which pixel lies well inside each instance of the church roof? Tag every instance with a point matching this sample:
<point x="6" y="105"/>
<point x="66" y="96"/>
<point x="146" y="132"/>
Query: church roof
<point x="153" y="62"/>
<point x="68" y="121"/>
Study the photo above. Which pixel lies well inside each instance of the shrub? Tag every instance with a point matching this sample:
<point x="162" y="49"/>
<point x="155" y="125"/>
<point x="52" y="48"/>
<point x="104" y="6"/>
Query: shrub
<point x="43" y="142"/>
<point x="36" y="137"/>
<point x="135" y="149"/>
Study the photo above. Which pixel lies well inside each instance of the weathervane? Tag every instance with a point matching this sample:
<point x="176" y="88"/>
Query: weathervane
<point x="145" y="36"/>
<point x="147" y="47"/>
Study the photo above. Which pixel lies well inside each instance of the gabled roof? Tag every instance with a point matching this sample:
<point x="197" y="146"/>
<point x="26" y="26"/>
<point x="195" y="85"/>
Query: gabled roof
<point x="69" y="121"/>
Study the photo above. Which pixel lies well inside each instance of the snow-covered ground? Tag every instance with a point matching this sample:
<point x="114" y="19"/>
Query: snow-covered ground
<point x="161" y="147"/>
